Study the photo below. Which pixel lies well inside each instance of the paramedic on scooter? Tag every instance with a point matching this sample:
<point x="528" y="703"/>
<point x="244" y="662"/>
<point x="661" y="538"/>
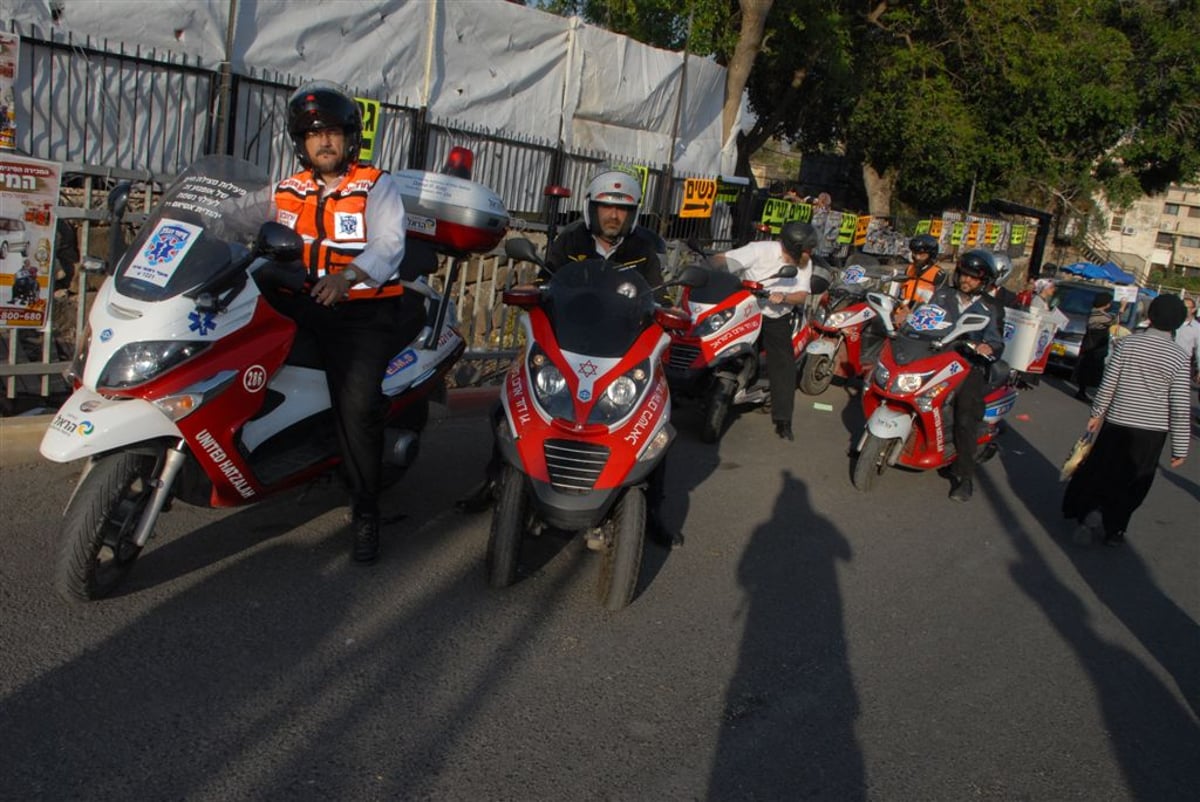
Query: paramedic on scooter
<point x="974" y="272"/>
<point x="608" y="230"/>
<point x="352" y="219"/>
<point x="757" y="261"/>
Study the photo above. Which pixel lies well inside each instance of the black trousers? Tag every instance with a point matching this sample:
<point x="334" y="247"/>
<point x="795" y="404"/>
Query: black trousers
<point x="355" y="341"/>
<point x="781" y="366"/>
<point x="1116" y="476"/>
<point x="968" y="412"/>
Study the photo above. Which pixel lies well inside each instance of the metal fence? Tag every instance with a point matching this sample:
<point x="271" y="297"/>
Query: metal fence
<point x="109" y="113"/>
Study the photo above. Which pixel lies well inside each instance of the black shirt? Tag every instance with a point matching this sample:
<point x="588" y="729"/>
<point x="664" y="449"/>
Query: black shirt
<point x="638" y="251"/>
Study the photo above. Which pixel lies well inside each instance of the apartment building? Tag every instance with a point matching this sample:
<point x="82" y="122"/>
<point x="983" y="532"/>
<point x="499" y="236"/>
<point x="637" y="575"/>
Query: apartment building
<point x="1157" y="232"/>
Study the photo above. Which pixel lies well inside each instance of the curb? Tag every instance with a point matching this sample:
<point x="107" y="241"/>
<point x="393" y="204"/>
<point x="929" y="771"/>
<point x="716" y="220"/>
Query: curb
<point x="20" y="435"/>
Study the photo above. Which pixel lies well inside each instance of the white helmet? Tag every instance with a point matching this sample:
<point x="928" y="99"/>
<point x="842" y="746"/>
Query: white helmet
<point x="612" y="188"/>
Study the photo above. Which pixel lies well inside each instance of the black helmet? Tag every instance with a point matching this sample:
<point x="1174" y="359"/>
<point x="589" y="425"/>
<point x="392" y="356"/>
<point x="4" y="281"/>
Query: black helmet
<point x="323" y="104"/>
<point x="980" y="264"/>
<point x="924" y="243"/>
<point x="797" y="237"/>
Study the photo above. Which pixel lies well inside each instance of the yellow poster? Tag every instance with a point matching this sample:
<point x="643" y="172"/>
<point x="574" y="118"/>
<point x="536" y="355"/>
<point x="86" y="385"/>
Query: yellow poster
<point x="370" y="117"/>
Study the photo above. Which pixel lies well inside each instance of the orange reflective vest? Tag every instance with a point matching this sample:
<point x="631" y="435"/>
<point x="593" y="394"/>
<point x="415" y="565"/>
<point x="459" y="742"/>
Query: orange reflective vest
<point x="334" y="226"/>
<point x="920" y="286"/>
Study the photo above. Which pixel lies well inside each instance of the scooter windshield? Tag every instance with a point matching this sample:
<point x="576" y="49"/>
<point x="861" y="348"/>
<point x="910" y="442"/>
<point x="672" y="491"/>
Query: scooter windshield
<point x="924" y="326"/>
<point x="206" y="219"/>
<point x="719" y="287"/>
<point x="598" y="308"/>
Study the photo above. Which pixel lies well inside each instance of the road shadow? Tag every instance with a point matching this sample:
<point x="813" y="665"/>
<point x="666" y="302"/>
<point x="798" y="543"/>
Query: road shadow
<point x="1154" y="737"/>
<point x="791" y="706"/>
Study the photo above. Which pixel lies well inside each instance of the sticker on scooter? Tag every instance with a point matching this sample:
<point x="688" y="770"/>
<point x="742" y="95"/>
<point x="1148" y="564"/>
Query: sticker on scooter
<point x="106" y="335"/>
<point x="401" y="362"/>
<point x="928" y="317"/>
<point x="854" y="275"/>
<point x="255" y="378"/>
<point x="587" y="369"/>
<point x="201" y="322"/>
<point x="165" y="248"/>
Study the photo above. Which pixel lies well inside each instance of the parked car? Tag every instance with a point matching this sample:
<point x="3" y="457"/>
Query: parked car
<point x="13" y="236"/>
<point x="1074" y="299"/>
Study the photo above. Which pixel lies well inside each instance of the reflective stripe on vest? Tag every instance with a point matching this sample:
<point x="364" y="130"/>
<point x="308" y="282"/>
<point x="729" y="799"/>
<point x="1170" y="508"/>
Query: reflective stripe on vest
<point x="334" y="226"/>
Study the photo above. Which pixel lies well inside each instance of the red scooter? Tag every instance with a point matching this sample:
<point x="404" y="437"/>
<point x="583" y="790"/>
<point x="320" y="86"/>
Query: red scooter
<point x="846" y="334"/>
<point x="186" y="383"/>
<point x="907" y="400"/>
<point x="586" y="416"/>
<point x="718" y="357"/>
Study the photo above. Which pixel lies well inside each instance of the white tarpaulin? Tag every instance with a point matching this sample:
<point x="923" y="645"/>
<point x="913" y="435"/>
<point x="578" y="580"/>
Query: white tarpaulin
<point x="487" y="63"/>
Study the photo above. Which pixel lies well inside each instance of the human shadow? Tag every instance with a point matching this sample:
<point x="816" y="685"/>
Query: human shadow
<point x="1154" y="737"/>
<point x="791" y="706"/>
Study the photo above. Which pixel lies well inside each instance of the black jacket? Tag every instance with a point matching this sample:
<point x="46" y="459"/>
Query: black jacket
<point x="638" y="251"/>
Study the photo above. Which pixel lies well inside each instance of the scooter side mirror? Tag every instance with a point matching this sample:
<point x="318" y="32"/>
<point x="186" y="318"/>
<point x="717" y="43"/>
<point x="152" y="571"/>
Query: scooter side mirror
<point x="522" y="250"/>
<point x="787" y="271"/>
<point x="972" y="322"/>
<point x="278" y="242"/>
<point x="523" y="295"/>
<point x="117" y="202"/>
<point x="672" y="318"/>
<point x="883" y="306"/>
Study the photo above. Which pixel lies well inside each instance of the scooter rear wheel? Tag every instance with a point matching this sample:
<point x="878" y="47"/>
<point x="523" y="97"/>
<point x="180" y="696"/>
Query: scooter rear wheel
<point x="816" y="374"/>
<point x="622" y="564"/>
<point x="508" y="529"/>
<point x="871" y="462"/>
<point x="96" y="548"/>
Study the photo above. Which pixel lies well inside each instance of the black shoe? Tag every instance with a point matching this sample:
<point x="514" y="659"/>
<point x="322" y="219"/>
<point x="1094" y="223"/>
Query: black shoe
<point x="784" y="430"/>
<point x="663" y="534"/>
<point x="479" y="499"/>
<point x="366" y="539"/>
<point x="1115" y="539"/>
<point x="962" y="490"/>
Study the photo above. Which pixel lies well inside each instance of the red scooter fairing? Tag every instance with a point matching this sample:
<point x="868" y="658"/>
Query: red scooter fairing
<point x="587" y="405"/>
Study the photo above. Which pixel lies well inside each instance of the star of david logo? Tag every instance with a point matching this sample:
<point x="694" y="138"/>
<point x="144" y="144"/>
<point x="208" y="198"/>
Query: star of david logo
<point x="587" y="369"/>
<point x="202" y="323"/>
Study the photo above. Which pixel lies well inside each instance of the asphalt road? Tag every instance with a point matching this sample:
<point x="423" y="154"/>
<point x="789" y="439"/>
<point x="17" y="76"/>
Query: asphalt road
<point x="808" y="642"/>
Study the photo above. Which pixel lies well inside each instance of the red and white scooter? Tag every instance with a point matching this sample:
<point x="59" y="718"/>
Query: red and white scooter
<point x="185" y="385"/>
<point x="907" y="402"/>
<point x="586" y="416"/>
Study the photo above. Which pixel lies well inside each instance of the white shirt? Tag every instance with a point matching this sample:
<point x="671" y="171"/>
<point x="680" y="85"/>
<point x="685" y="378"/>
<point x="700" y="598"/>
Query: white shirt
<point x="756" y="261"/>
<point x="1187" y="337"/>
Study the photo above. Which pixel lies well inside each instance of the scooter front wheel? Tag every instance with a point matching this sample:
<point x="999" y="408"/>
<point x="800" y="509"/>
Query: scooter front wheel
<point x="871" y="462"/>
<point x="623" y="557"/>
<point x="816" y="374"/>
<point x="508" y="529"/>
<point x="96" y="547"/>
<point x="716" y="409"/>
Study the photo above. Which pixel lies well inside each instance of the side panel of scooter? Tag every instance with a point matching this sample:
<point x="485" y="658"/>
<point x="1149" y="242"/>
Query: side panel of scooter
<point x="89" y="424"/>
<point x="306" y="393"/>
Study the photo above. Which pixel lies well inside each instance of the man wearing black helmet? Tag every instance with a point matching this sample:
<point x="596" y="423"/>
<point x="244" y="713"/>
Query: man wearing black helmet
<point x="923" y="273"/>
<point x="357" y="315"/>
<point x="758" y="261"/>
<point x="974" y="272"/>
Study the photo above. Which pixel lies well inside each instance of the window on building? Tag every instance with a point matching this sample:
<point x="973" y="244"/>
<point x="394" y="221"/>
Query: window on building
<point x="1164" y="240"/>
<point x="1189" y="242"/>
<point x="1117" y="222"/>
<point x="1194" y="211"/>
<point x="1171" y="208"/>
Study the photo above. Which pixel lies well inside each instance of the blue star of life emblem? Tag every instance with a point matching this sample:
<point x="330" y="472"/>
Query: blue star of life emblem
<point x="165" y="244"/>
<point x="202" y="322"/>
<point x="348" y="224"/>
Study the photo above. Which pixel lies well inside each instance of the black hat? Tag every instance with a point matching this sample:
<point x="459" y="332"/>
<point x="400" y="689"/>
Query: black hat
<point x="1167" y="312"/>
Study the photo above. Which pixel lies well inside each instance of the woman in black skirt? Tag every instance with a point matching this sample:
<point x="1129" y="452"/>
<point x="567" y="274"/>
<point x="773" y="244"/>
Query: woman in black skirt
<point x="1143" y="397"/>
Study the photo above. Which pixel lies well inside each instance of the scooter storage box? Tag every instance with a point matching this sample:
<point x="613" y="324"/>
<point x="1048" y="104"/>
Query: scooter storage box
<point x="1027" y="337"/>
<point x="457" y="215"/>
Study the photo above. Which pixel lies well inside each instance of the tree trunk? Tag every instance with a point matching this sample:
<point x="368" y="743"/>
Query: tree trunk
<point x="750" y="37"/>
<point x="880" y="188"/>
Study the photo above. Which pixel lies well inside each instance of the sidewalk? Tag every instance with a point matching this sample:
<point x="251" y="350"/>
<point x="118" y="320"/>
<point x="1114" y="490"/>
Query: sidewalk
<point x="20" y="435"/>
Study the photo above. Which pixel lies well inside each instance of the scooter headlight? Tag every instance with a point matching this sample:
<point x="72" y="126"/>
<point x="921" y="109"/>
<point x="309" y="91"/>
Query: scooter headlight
<point x="909" y="382"/>
<point x="838" y="319"/>
<point x="74" y="373"/>
<point x="620" y="397"/>
<point x="881" y="375"/>
<point x="713" y="323"/>
<point x="549" y="385"/>
<point x="140" y="362"/>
